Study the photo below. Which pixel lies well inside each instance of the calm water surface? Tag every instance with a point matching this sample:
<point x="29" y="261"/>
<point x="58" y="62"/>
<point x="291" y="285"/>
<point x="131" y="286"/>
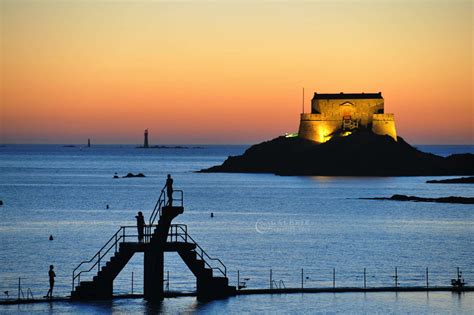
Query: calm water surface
<point x="261" y="222"/>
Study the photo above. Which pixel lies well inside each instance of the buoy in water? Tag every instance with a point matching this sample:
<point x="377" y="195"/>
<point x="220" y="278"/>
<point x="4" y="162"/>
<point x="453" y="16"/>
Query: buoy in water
<point x="107" y="206"/>
<point x="212" y="214"/>
<point x="51" y="237"/>
<point x="1" y="202"/>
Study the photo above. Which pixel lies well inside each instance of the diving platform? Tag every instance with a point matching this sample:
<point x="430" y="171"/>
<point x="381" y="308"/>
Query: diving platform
<point x="109" y="261"/>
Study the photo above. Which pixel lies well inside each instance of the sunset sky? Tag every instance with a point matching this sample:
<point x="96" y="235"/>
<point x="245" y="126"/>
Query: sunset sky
<point x="228" y="71"/>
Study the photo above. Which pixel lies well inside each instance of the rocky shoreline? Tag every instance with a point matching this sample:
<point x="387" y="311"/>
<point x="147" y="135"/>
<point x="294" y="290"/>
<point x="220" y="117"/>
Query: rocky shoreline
<point x="462" y="180"/>
<point x="450" y="199"/>
<point x="359" y="154"/>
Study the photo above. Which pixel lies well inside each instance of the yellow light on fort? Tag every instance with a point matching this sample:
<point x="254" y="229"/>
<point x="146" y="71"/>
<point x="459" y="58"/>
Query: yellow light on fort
<point x="342" y="113"/>
<point x="321" y="138"/>
<point x="324" y="134"/>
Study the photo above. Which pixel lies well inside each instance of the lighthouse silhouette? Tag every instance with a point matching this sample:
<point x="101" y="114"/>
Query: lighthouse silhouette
<point x="145" y="141"/>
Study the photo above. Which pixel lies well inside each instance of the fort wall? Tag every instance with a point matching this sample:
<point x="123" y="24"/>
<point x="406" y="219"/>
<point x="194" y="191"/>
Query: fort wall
<point x="384" y="124"/>
<point x="359" y="109"/>
<point x="317" y="127"/>
<point x="341" y="114"/>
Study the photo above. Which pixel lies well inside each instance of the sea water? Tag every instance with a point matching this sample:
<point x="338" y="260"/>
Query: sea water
<point x="309" y="228"/>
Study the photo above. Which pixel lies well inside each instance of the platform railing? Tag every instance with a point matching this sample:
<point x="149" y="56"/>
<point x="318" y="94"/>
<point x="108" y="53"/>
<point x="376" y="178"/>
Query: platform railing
<point x="162" y="201"/>
<point x="180" y="232"/>
<point x="177" y="232"/>
<point x="119" y="237"/>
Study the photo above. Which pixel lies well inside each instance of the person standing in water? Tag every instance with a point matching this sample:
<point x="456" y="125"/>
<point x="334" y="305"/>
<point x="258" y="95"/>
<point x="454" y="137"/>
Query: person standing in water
<point x="140" y="225"/>
<point x="169" y="190"/>
<point x="51" y="275"/>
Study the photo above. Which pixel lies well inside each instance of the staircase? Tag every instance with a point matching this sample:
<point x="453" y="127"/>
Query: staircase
<point x="101" y="285"/>
<point x="210" y="273"/>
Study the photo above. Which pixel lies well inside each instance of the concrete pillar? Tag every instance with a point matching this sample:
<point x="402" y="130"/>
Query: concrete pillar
<point x="153" y="275"/>
<point x="154" y="256"/>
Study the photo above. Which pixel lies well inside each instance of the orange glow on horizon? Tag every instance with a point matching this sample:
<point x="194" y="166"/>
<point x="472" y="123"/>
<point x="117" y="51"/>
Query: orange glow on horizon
<point x="228" y="72"/>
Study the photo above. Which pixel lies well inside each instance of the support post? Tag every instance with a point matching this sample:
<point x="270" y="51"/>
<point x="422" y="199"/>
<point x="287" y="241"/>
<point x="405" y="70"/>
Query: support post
<point x="132" y="282"/>
<point x="19" y="287"/>
<point x="396" y="278"/>
<point x="365" y="279"/>
<point x="427" y="279"/>
<point x="302" y="110"/>
<point x="333" y="278"/>
<point x="302" y="277"/>
<point x="238" y="280"/>
<point x="154" y="256"/>
<point x="271" y="281"/>
<point x="153" y="275"/>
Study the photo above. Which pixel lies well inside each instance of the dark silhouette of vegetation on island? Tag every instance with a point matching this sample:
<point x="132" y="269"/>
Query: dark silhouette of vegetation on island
<point x="450" y="199"/>
<point x="362" y="153"/>
<point x="462" y="180"/>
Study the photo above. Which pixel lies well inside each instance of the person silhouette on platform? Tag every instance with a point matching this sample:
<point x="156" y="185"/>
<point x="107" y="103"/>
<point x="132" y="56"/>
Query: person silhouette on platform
<point x="51" y="275"/>
<point x="169" y="190"/>
<point x="140" y="225"/>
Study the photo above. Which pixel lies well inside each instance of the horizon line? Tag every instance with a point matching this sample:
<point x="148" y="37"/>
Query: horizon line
<point x="195" y="144"/>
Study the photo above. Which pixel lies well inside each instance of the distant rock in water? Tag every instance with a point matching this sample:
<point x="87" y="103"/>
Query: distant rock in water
<point x="462" y="180"/>
<point x="130" y="175"/>
<point x="450" y="199"/>
<point x="359" y="154"/>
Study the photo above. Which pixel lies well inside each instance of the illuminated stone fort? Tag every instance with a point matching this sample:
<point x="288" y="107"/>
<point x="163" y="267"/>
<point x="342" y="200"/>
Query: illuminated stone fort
<point x="342" y="114"/>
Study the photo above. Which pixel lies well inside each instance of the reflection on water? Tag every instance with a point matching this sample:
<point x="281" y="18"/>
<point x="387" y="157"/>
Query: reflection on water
<point x="320" y="303"/>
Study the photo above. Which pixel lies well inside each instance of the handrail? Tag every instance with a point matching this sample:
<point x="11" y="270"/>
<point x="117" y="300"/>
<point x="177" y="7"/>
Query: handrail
<point x="120" y="235"/>
<point x="93" y="257"/>
<point x="157" y="209"/>
<point x="180" y="199"/>
<point x="161" y="202"/>
<point x="203" y="253"/>
<point x="279" y="285"/>
<point x="180" y="230"/>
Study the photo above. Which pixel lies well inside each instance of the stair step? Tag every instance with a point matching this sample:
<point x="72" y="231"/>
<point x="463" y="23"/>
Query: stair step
<point x="221" y="281"/>
<point x="206" y="272"/>
<point x="85" y="284"/>
<point x="199" y="262"/>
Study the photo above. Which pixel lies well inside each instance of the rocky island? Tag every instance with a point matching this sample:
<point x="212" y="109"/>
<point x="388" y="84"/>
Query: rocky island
<point x="462" y="180"/>
<point x="359" y="154"/>
<point x="345" y="135"/>
<point x="450" y="199"/>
